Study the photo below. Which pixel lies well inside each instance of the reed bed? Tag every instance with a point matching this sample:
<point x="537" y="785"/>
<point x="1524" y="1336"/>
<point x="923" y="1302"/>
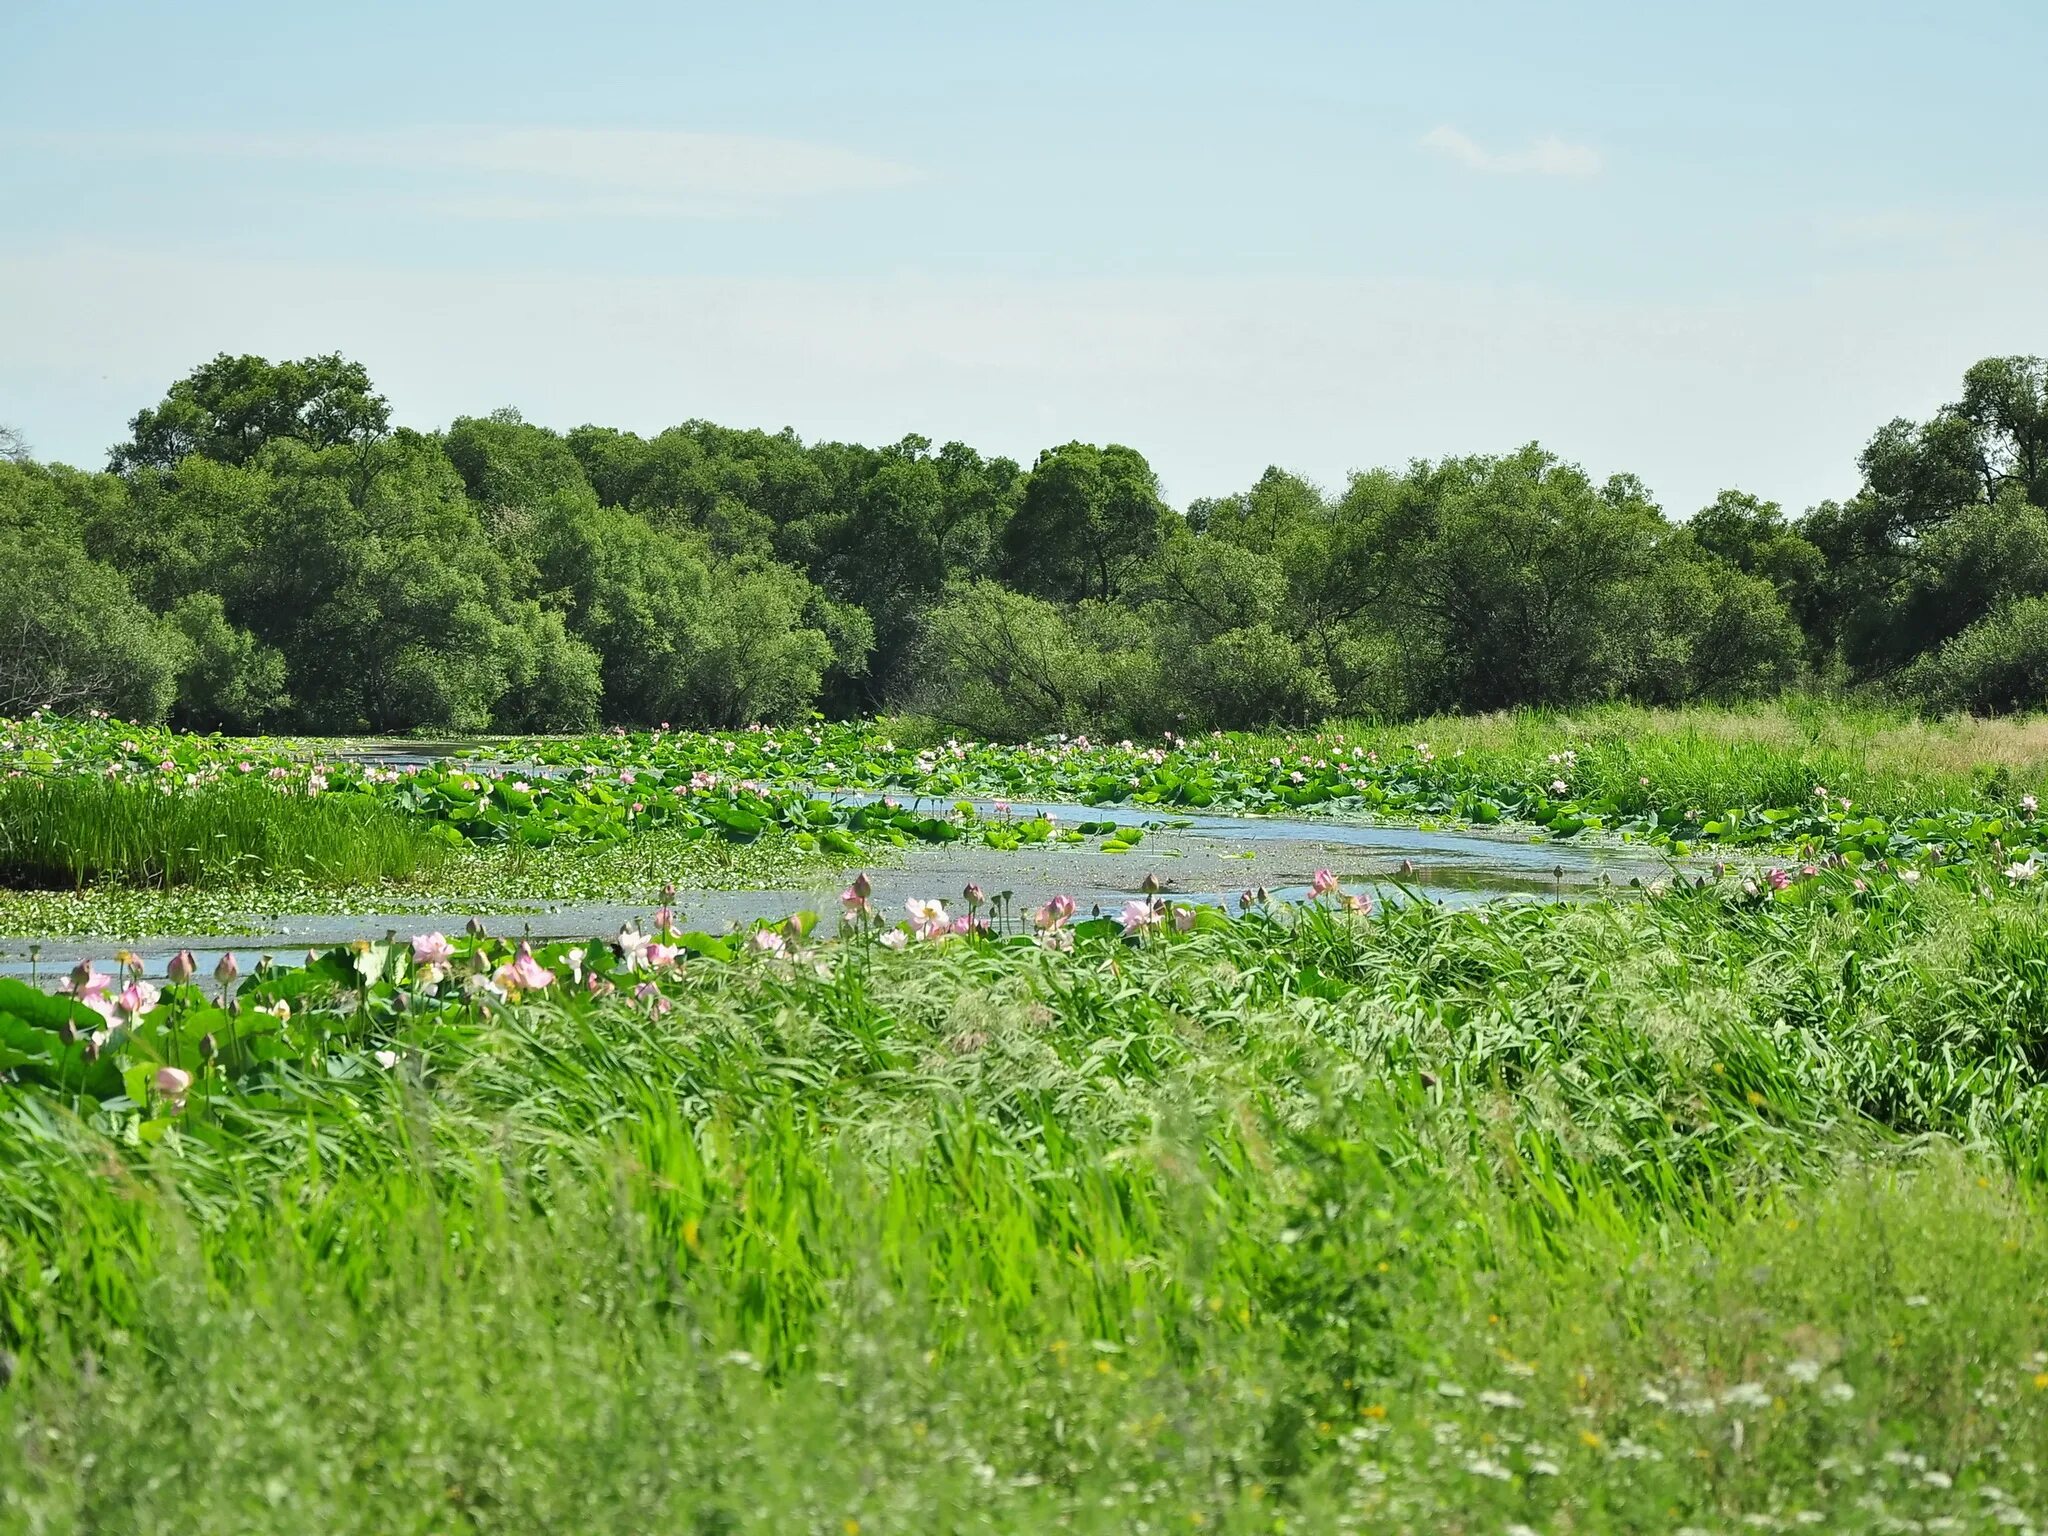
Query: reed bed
<point x="67" y="833"/>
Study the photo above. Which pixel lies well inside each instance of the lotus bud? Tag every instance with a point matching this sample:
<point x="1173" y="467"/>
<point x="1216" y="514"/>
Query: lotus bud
<point x="181" y="966"/>
<point x="973" y="895"/>
<point x="668" y="894"/>
<point x="68" y="1032"/>
<point x="209" y="1047"/>
<point x="81" y="975"/>
<point x="171" y="1082"/>
<point x="1151" y="886"/>
<point x="225" y="970"/>
<point x="92" y="1048"/>
<point x="862" y="886"/>
<point x="477" y="929"/>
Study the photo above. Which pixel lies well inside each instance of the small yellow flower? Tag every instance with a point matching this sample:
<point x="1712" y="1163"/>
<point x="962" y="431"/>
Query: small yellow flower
<point x="1756" y="1099"/>
<point x="1588" y="1439"/>
<point x="1374" y="1410"/>
<point x="1103" y="1367"/>
<point x="850" y="1525"/>
<point x="2041" y="1381"/>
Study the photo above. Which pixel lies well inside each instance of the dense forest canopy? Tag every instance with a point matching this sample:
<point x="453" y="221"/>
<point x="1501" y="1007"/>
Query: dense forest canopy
<point x="267" y="551"/>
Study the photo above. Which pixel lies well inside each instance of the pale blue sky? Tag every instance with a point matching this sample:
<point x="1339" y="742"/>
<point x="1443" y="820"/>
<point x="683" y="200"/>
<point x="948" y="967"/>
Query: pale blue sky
<point x="1714" y="245"/>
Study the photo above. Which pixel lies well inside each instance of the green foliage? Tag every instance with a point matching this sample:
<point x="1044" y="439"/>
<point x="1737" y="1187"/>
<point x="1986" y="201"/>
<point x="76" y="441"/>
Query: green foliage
<point x="716" y="573"/>
<point x="1999" y="665"/>
<point x="1541" y="1215"/>
<point x="58" y="833"/>
<point x="72" y="637"/>
<point x="1089" y="520"/>
<point x="229" y="409"/>
<point x="229" y="678"/>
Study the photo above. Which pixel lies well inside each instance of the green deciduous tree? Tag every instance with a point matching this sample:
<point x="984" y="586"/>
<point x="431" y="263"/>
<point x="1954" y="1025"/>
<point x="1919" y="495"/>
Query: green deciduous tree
<point x="1089" y="520"/>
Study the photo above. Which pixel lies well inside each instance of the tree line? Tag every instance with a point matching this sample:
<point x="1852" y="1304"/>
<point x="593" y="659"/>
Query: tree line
<point x="266" y="551"/>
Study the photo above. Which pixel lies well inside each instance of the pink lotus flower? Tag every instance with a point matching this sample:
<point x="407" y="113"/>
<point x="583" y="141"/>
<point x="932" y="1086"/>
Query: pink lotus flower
<point x="523" y="973"/>
<point x="895" y="938"/>
<point x="136" y="999"/>
<point x="171" y="1082"/>
<point x="1183" y="919"/>
<point x="1138" y="917"/>
<point x="854" y="904"/>
<point x="431" y="949"/>
<point x="87" y="982"/>
<point x="929" y="918"/>
<point x="768" y="942"/>
<point x="1358" y="906"/>
<point x="1777" y="879"/>
<point x="1323" y="882"/>
<point x="1054" y="913"/>
<point x="660" y="956"/>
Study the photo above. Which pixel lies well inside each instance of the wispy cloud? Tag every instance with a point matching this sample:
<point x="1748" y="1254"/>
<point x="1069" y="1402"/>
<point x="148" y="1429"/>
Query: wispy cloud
<point x="1547" y="156"/>
<point x="525" y="173"/>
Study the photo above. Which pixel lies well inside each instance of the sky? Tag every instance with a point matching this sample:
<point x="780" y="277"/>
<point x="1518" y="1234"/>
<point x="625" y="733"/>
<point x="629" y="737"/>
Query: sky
<point x="1713" y="246"/>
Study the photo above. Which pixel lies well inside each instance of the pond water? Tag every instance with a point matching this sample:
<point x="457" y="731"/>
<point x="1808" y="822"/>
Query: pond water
<point x="1205" y="859"/>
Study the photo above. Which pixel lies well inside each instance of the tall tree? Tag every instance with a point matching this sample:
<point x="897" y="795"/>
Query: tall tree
<point x="1090" y="519"/>
<point x="228" y="409"/>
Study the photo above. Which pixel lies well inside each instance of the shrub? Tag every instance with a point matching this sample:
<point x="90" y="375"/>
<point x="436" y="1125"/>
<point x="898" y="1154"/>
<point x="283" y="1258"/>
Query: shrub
<point x="230" y="680"/>
<point x="73" y="637"/>
<point x="1999" y="665"/>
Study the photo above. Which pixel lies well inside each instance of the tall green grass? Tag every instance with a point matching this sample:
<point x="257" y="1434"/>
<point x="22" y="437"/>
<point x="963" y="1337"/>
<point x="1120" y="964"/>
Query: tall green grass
<point x="1611" y="1217"/>
<point x="68" y="833"/>
<point x="1765" y="754"/>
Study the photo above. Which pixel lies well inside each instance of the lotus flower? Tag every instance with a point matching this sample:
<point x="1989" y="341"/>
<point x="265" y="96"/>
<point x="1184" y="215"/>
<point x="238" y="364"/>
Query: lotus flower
<point x="1183" y="919"/>
<point x="1777" y="879"/>
<point x="225" y="970"/>
<point x="895" y="938"/>
<point x="1323" y="882"/>
<point x="172" y="1082"/>
<point x="1138" y="916"/>
<point x="633" y="948"/>
<point x="181" y="966"/>
<point x="1054" y="913"/>
<point x="523" y="973"/>
<point x="768" y="942"/>
<point x="430" y="949"/>
<point x="136" y="999"/>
